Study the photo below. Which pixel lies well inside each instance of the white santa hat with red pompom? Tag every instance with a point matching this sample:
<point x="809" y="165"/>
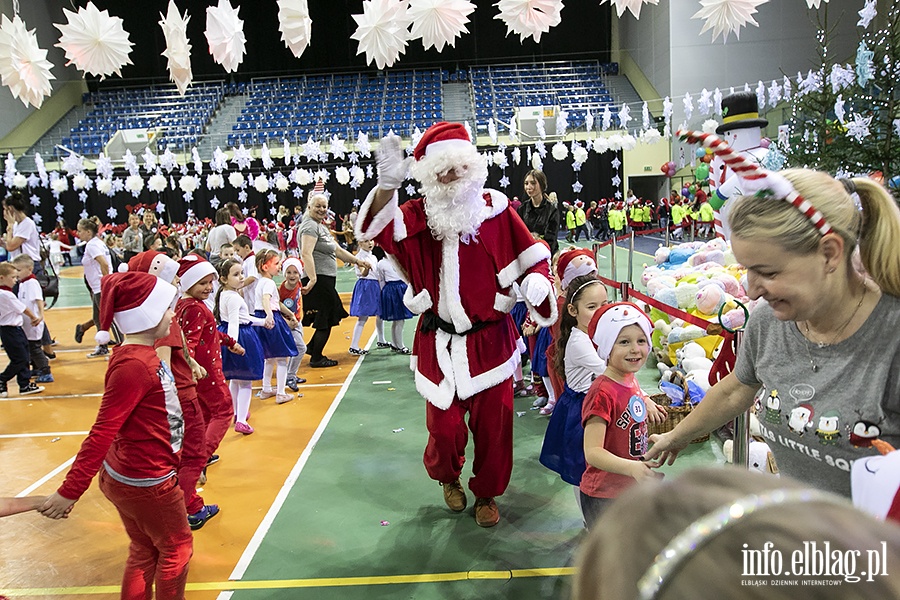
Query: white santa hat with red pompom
<point x="134" y="301"/>
<point x="192" y="268"/>
<point x="153" y="262"/>
<point x="608" y="322"/>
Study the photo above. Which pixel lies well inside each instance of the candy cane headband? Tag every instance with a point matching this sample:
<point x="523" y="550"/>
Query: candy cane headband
<point x="755" y="178"/>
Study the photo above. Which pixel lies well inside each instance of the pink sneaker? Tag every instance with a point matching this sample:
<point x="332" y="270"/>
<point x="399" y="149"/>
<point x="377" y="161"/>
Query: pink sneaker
<point x="243" y="428"/>
<point x="265" y="394"/>
<point x="548" y="410"/>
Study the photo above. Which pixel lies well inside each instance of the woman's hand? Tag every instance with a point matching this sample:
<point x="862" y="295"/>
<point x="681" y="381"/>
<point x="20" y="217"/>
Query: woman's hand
<point x="529" y="329"/>
<point x="56" y="507"/>
<point x="237" y="349"/>
<point x="308" y="287"/>
<point x="664" y="449"/>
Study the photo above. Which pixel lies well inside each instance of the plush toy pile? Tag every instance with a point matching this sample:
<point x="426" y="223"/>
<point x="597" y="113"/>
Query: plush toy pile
<point x="700" y="278"/>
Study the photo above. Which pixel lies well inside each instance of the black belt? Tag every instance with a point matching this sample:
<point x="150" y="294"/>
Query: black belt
<point x="429" y="321"/>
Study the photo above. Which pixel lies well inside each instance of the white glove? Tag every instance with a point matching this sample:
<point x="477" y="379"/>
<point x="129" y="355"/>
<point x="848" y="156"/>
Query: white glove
<point x="535" y="288"/>
<point x="391" y="163"/>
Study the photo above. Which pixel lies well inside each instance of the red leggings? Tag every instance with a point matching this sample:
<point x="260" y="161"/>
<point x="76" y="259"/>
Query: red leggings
<point x="491" y="422"/>
<point x="218" y="412"/>
<point x="193" y="449"/>
<point x="161" y="541"/>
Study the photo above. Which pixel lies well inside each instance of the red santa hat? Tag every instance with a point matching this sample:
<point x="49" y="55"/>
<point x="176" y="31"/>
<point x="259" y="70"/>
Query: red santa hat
<point x="442" y="136"/>
<point x="192" y="269"/>
<point x="579" y="204"/>
<point x="567" y="271"/>
<point x="292" y="262"/>
<point x="609" y="320"/>
<point x="153" y="262"/>
<point x="135" y="301"/>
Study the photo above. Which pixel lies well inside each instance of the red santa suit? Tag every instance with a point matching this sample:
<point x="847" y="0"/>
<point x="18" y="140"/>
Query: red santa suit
<point x="464" y="354"/>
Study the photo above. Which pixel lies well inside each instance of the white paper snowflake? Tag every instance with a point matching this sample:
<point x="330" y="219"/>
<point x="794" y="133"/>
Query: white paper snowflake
<point x="688" y="104"/>
<point x="727" y="16"/>
<point x="295" y="25"/>
<point x="492" y="130"/>
<point x="775" y="91"/>
<point x="24" y="67"/>
<point x="760" y="95"/>
<point x="632" y="5"/>
<point x="338" y="147"/>
<point x="59" y="208"/>
<point x="382" y="31"/>
<point x="242" y="158"/>
<point x="219" y="161"/>
<point x="839" y="108"/>
<point x="841" y="77"/>
<point x="517" y="155"/>
<point x="540" y="148"/>
<point x="410" y="190"/>
<point x="225" y="34"/>
<point x="606" y="118"/>
<point x="616" y="181"/>
<point x="94" y="41"/>
<point x="529" y="18"/>
<point x="562" y="122"/>
<point x="168" y="161"/>
<point x="858" y="128"/>
<point x="214" y="202"/>
<point x="616" y="163"/>
<point x="867" y="13"/>
<point x="37" y="218"/>
<point x="814" y="3"/>
<point x="312" y="149"/>
<point x="33" y="181"/>
<point x="265" y="156"/>
<point x="650" y="136"/>
<point x="438" y="22"/>
<point x="541" y="127"/>
<point x="624" y="116"/>
<point x="589" y="121"/>
<point x="178" y="48"/>
<point x="536" y="162"/>
<point x="112" y="213"/>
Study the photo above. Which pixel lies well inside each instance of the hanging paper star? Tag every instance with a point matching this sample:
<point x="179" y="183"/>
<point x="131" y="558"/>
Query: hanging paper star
<point x="60" y="209"/>
<point x="160" y="207"/>
<point x="864" y="64"/>
<point x="616" y="181"/>
<point x="168" y="161"/>
<point x="410" y="190"/>
<point x="295" y="25"/>
<point x="839" y="108"/>
<point x="529" y="18"/>
<point x="242" y="158"/>
<point x="577" y="187"/>
<point x="94" y="42"/>
<point x="73" y="163"/>
<point x="606" y="118"/>
<point x="33" y="180"/>
<point x="858" y="128"/>
<point x="866" y="15"/>
<point x="311" y="150"/>
<point x="117" y="185"/>
<point x="37" y="218"/>
<point x="35" y="200"/>
<point x="814" y="3"/>
<point x="214" y="202"/>
<point x="616" y="163"/>
<point x="438" y="22"/>
<point x="688" y="106"/>
<point x="83" y="214"/>
<point x="774" y="93"/>
<point x="112" y="213"/>
<point x="504" y="182"/>
<point x="225" y="34"/>
<point x="178" y="49"/>
<point x="83" y="196"/>
<point x="363" y="145"/>
<point x="219" y="161"/>
<point x="242" y="198"/>
<point x="183" y="169"/>
<point x="382" y="31"/>
<point x="338" y="147"/>
<point x="727" y="16"/>
<point x="624" y="116"/>
<point x="370" y="171"/>
<point x="632" y="5"/>
<point x="24" y="67"/>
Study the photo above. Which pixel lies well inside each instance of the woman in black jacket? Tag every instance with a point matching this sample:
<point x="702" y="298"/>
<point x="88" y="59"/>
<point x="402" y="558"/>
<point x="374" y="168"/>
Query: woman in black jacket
<point x="539" y="213"/>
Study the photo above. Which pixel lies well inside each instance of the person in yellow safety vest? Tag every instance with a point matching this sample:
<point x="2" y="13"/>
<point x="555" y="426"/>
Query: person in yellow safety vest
<point x="580" y="220"/>
<point x="646" y="215"/>
<point x="570" y="222"/>
<point x="677" y="218"/>
<point x="706" y="218"/>
<point x="620" y="218"/>
<point x="634" y="216"/>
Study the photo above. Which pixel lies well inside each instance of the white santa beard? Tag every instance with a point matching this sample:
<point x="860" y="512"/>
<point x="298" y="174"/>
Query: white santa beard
<point x="454" y="208"/>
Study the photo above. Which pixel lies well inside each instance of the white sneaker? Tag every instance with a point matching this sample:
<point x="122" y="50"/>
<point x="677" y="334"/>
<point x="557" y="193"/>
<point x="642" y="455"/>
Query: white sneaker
<point x="265" y="394"/>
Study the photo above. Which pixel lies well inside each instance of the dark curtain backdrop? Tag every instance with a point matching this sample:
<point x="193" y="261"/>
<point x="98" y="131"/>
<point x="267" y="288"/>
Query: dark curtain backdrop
<point x="595" y="176"/>
<point x="583" y="34"/>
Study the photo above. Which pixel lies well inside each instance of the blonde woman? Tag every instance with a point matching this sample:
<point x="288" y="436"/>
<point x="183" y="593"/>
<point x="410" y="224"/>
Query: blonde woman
<point x="821" y="356"/>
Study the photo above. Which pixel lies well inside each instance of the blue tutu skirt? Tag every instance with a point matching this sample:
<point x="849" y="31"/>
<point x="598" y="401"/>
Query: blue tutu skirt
<point x="563" y="450"/>
<point x="392" y="307"/>
<point x="248" y="367"/>
<point x="366" y="300"/>
<point x="518" y="313"/>
<point x="277" y="342"/>
<point x="539" y="353"/>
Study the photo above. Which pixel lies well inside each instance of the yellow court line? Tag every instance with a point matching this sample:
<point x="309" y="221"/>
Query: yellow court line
<point x="309" y="583"/>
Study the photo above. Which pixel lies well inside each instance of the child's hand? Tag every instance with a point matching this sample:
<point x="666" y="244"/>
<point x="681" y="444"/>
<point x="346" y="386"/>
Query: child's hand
<point x="197" y="370"/>
<point x="56" y="507"/>
<point x="35" y="320"/>
<point x="238" y="349"/>
<point x="641" y="472"/>
<point x="269" y="322"/>
<point x="656" y="414"/>
<point x="291" y="322"/>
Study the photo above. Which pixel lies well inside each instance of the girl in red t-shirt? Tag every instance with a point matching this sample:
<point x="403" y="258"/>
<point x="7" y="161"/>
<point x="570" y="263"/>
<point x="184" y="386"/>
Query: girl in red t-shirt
<point x="616" y="411"/>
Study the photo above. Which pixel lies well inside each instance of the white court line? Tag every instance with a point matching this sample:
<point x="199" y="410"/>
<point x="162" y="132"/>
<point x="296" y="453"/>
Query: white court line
<point x="45" y="478"/>
<point x="42" y="397"/>
<point x="10" y="436"/>
<point x="261" y="531"/>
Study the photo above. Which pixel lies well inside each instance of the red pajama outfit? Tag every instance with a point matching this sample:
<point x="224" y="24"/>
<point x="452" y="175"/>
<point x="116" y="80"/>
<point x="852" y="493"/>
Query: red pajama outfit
<point x="204" y="343"/>
<point x="469" y="371"/>
<point x="193" y="450"/>
<point x="136" y="441"/>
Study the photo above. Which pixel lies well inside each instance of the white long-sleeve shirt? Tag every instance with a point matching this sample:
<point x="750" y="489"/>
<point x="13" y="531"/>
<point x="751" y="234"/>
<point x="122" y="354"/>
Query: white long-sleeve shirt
<point x="233" y="311"/>
<point x="582" y="362"/>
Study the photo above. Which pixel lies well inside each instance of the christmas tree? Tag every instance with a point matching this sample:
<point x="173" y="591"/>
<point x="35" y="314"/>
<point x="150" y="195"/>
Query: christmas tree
<point x="846" y="118"/>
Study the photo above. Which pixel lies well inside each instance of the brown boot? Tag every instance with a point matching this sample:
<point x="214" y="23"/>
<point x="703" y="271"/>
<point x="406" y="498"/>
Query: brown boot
<point x="486" y="512"/>
<point x="454" y="496"/>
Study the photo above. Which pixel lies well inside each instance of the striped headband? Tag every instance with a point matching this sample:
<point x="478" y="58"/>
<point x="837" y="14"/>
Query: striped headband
<point x="755" y="179"/>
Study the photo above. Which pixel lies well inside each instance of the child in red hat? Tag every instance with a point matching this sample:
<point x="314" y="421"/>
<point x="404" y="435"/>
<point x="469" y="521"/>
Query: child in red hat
<point x="135" y="443"/>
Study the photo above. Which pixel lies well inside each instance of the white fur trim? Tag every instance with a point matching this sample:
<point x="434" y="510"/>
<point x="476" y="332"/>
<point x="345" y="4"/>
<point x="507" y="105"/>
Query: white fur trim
<point x="467" y="386"/>
<point x="418" y="303"/>
<point x="102" y="337"/>
<point x="504" y="303"/>
<point x="450" y="306"/>
<point x="150" y="312"/>
<point x="573" y="272"/>
<point x="446" y="145"/>
<point x="390" y="213"/>
<point x="535" y="315"/>
<point x="202" y="269"/>
<point x="527" y="259"/>
<point x="440" y="394"/>
<point x="499" y="203"/>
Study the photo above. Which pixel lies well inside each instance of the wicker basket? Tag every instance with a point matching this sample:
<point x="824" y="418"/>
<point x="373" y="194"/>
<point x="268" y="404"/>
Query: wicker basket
<point x="674" y="416"/>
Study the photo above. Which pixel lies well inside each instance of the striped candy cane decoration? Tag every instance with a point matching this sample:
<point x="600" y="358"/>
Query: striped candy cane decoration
<point x="755" y="178"/>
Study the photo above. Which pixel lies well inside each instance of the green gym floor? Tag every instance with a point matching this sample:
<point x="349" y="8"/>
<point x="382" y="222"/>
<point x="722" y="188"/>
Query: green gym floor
<point x="358" y="517"/>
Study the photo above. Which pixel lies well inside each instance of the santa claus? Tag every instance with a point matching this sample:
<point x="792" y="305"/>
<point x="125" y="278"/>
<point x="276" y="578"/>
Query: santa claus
<point x="461" y="248"/>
